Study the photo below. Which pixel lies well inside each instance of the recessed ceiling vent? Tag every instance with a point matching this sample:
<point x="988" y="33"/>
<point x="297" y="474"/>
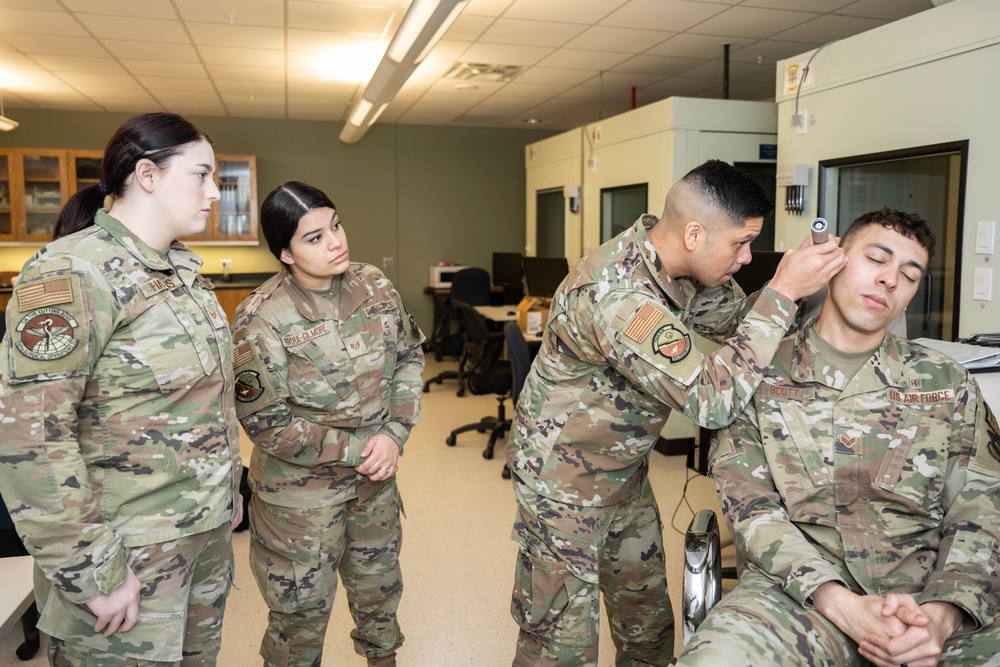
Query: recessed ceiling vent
<point x="484" y="72"/>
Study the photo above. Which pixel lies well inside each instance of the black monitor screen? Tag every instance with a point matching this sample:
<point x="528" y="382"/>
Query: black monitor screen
<point x="542" y="275"/>
<point x="507" y="269"/>
<point x="760" y="269"/>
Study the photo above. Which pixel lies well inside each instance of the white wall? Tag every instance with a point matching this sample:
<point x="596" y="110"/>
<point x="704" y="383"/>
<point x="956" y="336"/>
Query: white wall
<point x="931" y="78"/>
<point x="555" y="162"/>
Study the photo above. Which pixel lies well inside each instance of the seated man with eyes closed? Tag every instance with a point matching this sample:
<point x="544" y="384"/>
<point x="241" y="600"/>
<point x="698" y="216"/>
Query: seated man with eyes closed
<point x="861" y="486"/>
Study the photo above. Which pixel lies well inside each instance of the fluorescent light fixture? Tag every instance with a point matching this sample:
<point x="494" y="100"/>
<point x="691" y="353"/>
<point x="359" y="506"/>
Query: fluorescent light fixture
<point x="424" y="24"/>
<point x="6" y="124"/>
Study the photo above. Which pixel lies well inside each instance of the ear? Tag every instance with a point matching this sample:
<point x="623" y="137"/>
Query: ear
<point x="145" y="172"/>
<point x="286" y="257"/>
<point x="694" y="234"/>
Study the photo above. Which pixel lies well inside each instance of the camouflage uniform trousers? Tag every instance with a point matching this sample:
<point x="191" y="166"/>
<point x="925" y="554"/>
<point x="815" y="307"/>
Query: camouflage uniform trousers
<point x="568" y="556"/>
<point x="184" y="586"/>
<point x="295" y="555"/>
<point x="758" y="624"/>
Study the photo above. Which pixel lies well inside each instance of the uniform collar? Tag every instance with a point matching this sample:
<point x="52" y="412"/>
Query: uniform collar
<point x="353" y="293"/>
<point x="181" y="260"/>
<point x="885" y="368"/>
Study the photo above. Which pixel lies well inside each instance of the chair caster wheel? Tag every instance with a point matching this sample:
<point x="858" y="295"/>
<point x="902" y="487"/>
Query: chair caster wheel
<point x="460" y="393"/>
<point x="506" y="472"/>
<point x="488" y="454"/>
<point x="450" y="441"/>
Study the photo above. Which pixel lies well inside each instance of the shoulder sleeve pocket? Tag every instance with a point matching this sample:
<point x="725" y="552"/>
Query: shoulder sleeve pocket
<point x="652" y="335"/>
<point x="49" y="329"/>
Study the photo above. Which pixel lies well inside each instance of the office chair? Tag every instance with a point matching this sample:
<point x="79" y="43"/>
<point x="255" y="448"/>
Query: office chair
<point x="484" y="372"/>
<point x="471" y="286"/>
<point x="520" y="363"/>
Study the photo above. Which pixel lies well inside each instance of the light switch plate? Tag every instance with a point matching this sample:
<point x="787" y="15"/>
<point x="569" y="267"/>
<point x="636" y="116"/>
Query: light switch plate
<point x="985" y="237"/>
<point x="982" y="284"/>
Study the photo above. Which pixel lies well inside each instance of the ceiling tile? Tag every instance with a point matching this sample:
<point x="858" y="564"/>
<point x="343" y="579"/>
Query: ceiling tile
<point x="827" y="28"/>
<point x="78" y="64"/>
<point x="48" y="5"/>
<point x="359" y="18"/>
<point x="478" y="88"/>
<point x="593" y="61"/>
<point x="240" y="73"/>
<point x="92" y="80"/>
<point x="221" y="55"/>
<point x="657" y="65"/>
<point x="672" y="15"/>
<point x="258" y="89"/>
<point x="247" y="37"/>
<point x="752" y="22"/>
<point x="770" y="51"/>
<point x="570" y="11"/>
<point x="155" y="68"/>
<point x="168" y="53"/>
<point x="449" y="50"/>
<point x="158" y="84"/>
<point x="553" y="76"/>
<point x="149" y="9"/>
<point x="190" y="97"/>
<point x="468" y="28"/>
<point x="737" y="70"/>
<point x="539" y="92"/>
<point x="605" y="38"/>
<point x="820" y="6"/>
<point x="688" y="45"/>
<point x="499" y="54"/>
<point x="890" y="10"/>
<point x="139" y="29"/>
<point x="33" y="22"/>
<point x="530" y="33"/>
<point x="234" y="12"/>
<point x="48" y="45"/>
<point x="486" y="7"/>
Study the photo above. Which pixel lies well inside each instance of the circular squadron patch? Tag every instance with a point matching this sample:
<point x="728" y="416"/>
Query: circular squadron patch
<point x="248" y="386"/>
<point x="46" y="334"/>
<point x="672" y="343"/>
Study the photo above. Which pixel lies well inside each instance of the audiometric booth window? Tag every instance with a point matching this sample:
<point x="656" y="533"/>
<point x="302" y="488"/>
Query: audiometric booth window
<point x="542" y="275"/>
<point x="928" y="181"/>
<point x="622" y="206"/>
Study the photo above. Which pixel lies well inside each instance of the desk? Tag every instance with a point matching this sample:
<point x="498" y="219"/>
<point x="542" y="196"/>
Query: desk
<point x="19" y="592"/>
<point x="498" y="313"/>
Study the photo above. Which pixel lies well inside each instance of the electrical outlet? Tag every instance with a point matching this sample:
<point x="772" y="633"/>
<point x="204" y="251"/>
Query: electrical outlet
<point x="388" y="262"/>
<point x="592" y="163"/>
<point x="595" y="134"/>
<point x="227" y="265"/>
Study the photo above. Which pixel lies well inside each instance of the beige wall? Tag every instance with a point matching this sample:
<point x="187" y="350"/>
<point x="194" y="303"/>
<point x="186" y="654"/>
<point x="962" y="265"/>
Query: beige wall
<point x="926" y="79"/>
<point x="420" y="194"/>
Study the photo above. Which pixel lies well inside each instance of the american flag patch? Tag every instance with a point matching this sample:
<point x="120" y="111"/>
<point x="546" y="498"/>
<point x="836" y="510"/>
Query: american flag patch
<point x="243" y="353"/>
<point x="642" y="322"/>
<point x="45" y="293"/>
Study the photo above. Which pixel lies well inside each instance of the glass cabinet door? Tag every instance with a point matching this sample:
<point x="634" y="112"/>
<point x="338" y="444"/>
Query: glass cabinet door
<point x="44" y="192"/>
<point x="85" y="170"/>
<point x="6" y="219"/>
<point x="234" y="198"/>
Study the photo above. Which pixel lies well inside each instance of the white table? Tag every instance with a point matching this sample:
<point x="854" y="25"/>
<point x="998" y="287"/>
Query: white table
<point x="498" y="313"/>
<point x="18" y="590"/>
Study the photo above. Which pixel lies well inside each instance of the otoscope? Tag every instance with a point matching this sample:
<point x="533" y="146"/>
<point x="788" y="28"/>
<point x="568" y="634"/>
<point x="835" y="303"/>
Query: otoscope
<point x="819" y="233"/>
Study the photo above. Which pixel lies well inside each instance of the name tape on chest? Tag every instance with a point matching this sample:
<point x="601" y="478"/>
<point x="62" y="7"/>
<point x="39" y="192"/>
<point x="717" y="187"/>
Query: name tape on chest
<point x="299" y="338"/>
<point x="791" y="393"/>
<point x="156" y="285"/>
<point x="921" y="397"/>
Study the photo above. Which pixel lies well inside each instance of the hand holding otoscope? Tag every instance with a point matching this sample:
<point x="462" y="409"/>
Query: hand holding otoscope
<point x="804" y="270"/>
<point x="819" y="233"/>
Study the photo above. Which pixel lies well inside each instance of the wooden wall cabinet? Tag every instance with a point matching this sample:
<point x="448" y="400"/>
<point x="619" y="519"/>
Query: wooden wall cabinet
<point x="36" y="183"/>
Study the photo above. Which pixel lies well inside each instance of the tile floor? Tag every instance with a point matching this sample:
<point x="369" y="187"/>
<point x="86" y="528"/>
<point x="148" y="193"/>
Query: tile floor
<point x="457" y="558"/>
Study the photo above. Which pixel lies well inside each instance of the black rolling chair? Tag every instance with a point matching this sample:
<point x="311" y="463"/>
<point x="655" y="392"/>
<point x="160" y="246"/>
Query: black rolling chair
<point x="520" y="363"/>
<point x="485" y="373"/>
<point x="471" y="286"/>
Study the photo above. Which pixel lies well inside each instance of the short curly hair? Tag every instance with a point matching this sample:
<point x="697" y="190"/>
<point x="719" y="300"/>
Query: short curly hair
<point x="910" y="225"/>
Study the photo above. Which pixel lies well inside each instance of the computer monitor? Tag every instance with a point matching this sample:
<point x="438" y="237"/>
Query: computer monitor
<point x="761" y="268"/>
<point x="507" y="269"/>
<point x="542" y="275"/>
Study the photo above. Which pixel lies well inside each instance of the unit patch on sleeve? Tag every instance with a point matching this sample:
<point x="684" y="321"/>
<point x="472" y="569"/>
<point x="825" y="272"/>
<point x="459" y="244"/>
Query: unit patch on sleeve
<point x="672" y="343"/>
<point x="249" y="386"/>
<point x="46" y="334"/>
<point x="50" y="329"/>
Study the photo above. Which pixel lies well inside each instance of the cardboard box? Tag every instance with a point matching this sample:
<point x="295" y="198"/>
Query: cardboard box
<point x="532" y="315"/>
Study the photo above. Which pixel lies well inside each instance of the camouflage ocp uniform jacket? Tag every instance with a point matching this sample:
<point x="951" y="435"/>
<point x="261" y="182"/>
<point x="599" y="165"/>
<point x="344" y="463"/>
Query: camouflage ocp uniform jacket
<point x="116" y="404"/>
<point x="316" y="380"/>
<point x="617" y="356"/>
<point x="885" y="482"/>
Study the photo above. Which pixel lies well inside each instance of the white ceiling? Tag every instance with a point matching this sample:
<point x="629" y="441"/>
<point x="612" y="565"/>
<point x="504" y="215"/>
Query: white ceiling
<point x="262" y="58"/>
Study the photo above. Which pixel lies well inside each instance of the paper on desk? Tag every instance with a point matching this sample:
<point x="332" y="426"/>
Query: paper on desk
<point x="970" y="356"/>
